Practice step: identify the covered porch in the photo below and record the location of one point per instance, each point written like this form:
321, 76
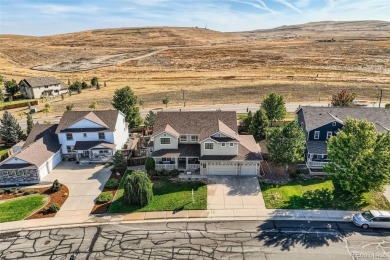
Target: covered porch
185, 158
316, 157
94, 151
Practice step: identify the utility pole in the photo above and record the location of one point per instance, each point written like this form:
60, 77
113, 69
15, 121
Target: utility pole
184, 100
380, 98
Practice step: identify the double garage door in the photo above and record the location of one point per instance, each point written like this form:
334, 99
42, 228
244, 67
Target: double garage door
232, 169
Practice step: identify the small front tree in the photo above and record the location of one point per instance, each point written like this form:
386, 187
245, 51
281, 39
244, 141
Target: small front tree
84, 85
30, 123
47, 108
138, 189
286, 144
11, 87
75, 87
120, 162
359, 157
259, 124
274, 107
150, 119
94, 81
126, 101
165, 101
343, 99
150, 164
10, 130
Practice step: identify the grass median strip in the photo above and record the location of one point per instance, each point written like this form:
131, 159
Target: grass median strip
168, 195
20, 208
318, 194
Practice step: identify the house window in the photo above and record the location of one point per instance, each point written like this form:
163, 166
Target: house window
85, 134
208, 146
166, 159
103, 151
317, 135
223, 144
101, 135
194, 138
69, 136
231, 144
183, 138
165, 140
69, 149
328, 134
334, 123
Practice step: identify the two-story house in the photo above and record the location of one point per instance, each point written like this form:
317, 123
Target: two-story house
38, 87
92, 135
203, 142
320, 123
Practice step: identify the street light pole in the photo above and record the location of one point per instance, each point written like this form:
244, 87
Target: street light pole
380, 98
184, 100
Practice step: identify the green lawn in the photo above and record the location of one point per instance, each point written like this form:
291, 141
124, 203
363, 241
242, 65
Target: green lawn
18, 209
318, 194
4, 150
167, 195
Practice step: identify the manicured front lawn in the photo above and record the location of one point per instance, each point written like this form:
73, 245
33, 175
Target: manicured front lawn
318, 194
18, 209
4, 150
168, 195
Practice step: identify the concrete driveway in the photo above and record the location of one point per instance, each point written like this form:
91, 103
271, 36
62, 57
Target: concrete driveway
234, 196
85, 183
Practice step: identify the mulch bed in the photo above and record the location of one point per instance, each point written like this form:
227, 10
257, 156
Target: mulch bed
58, 197
103, 208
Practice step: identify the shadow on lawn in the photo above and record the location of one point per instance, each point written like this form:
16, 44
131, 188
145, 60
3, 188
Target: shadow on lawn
326, 199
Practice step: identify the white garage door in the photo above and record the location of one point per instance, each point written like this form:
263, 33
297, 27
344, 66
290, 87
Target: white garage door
220, 169
249, 169
49, 165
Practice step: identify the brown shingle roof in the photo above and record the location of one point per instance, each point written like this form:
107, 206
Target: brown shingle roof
41, 81
41, 144
184, 150
108, 117
203, 123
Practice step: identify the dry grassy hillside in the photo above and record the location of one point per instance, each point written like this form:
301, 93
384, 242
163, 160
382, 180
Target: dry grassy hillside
212, 67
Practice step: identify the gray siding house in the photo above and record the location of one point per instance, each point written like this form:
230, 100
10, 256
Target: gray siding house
39, 87
320, 123
205, 143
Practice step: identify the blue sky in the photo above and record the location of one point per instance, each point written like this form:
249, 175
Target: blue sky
45, 17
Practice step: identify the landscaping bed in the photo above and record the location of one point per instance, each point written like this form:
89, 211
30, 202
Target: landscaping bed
168, 195
318, 194
101, 208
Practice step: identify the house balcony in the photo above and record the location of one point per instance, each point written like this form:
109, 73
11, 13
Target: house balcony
316, 164
166, 166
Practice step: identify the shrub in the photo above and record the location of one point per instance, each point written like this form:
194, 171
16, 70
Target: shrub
293, 175
111, 184
22, 190
2, 191
387, 105
13, 190
175, 173
29, 192
53, 208
56, 186
120, 162
300, 171
164, 172
138, 189
104, 197
150, 164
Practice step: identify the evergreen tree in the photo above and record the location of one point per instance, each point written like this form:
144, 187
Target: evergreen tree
30, 123
94, 81
120, 162
259, 124
150, 119
150, 164
138, 189
126, 101
10, 130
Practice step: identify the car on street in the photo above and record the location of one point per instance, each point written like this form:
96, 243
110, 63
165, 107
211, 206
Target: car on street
372, 219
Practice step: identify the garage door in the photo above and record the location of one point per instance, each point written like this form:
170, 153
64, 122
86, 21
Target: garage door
220, 169
249, 169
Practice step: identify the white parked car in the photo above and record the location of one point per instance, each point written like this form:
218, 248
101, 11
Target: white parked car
372, 219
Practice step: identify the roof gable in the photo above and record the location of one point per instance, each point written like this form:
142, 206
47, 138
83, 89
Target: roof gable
35, 82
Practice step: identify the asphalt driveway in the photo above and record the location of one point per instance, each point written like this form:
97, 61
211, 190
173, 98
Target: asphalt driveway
85, 183
236, 194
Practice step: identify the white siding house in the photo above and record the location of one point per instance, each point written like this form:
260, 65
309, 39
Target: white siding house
39, 87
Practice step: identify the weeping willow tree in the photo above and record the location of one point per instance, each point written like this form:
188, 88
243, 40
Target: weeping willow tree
138, 189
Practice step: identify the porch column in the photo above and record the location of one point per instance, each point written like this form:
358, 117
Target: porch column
176, 162
90, 154
186, 163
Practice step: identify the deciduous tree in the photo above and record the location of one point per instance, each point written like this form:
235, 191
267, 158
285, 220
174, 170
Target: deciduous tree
359, 157
126, 101
47, 108
138, 189
93, 105
259, 124
343, 99
286, 144
94, 81
10, 130
275, 107
11, 87
165, 101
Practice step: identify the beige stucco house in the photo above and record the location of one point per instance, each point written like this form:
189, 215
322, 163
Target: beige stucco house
39, 87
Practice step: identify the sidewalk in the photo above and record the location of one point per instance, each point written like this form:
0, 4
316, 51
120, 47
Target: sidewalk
185, 215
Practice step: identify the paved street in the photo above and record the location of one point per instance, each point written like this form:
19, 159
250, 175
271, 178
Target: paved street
269, 240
